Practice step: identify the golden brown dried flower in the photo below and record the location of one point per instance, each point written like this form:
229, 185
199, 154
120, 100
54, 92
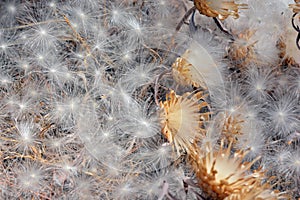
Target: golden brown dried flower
182, 122
184, 74
232, 127
219, 8
223, 174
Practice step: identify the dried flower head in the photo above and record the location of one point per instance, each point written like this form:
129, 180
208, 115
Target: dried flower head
184, 73
223, 175
232, 127
219, 8
242, 51
182, 122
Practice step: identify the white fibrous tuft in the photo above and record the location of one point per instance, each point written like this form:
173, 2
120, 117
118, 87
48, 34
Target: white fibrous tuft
286, 162
141, 75
259, 82
283, 113
8, 44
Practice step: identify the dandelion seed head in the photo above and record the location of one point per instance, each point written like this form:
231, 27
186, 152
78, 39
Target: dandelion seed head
4, 80
232, 110
22, 106
115, 13
75, 25
30, 179
25, 132
81, 15
79, 55
259, 87
11, 8
162, 2
110, 118
25, 66
53, 70
70, 168
127, 57
43, 32
40, 57
3, 46
56, 143
106, 134
52, 4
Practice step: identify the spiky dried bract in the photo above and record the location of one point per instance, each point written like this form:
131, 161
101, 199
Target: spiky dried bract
223, 175
219, 8
182, 123
232, 127
258, 192
182, 72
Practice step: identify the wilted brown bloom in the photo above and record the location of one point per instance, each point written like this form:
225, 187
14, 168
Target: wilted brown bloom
219, 8
223, 174
182, 122
184, 73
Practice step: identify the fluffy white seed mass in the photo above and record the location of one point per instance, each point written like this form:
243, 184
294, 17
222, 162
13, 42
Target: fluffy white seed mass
149, 99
